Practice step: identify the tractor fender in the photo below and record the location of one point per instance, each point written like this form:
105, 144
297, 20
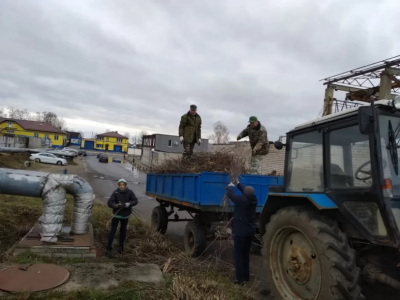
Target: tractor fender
276, 201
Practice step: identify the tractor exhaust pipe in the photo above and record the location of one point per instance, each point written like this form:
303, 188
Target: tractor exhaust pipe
52, 188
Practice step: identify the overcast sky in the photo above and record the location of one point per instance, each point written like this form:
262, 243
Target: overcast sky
131, 65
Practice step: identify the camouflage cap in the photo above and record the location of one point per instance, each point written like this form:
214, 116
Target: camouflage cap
253, 119
193, 107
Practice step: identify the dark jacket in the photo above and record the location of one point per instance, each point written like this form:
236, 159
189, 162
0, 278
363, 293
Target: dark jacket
125, 196
244, 213
190, 128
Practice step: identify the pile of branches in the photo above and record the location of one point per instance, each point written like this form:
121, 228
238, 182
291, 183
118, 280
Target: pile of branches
223, 161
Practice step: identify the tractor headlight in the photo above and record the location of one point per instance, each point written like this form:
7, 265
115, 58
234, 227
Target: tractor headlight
396, 103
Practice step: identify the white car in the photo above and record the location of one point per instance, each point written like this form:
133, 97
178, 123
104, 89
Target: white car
48, 158
69, 149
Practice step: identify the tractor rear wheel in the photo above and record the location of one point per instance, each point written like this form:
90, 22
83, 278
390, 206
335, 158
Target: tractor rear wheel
307, 256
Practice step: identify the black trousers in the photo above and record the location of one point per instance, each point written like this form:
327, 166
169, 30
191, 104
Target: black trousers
122, 232
242, 257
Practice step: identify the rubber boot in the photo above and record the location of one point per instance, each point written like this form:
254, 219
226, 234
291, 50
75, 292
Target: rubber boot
121, 250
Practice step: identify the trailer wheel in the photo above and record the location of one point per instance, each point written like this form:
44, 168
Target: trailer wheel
194, 238
307, 256
159, 219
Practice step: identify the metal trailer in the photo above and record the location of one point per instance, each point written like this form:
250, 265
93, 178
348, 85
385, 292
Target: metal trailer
201, 195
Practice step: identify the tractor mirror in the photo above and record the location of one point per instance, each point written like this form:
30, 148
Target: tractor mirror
366, 119
278, 145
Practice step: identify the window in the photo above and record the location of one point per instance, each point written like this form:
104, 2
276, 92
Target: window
36, 134
56, 137
119, 140
10, 124
305, 163
46, 136
350, 158
170, 143
107, 139
99, 145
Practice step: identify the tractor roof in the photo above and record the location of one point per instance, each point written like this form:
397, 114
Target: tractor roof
339, 115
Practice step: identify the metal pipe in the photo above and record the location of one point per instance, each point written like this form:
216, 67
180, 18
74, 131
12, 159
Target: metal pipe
52, 188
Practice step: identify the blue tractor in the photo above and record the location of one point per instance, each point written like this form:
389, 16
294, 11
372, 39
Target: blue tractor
335, 221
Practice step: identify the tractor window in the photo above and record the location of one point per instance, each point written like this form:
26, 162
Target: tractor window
305, 163
350, 158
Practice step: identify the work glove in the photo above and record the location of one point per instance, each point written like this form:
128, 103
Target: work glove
239, 137
199, 142
181, 139
127, 204
118, 205
231, 184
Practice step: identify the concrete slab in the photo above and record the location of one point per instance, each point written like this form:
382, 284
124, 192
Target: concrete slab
82, 245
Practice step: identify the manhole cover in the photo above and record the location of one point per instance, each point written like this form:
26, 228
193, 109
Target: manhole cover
37, 277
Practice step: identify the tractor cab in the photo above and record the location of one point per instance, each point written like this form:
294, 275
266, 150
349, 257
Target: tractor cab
337, 216
349, 161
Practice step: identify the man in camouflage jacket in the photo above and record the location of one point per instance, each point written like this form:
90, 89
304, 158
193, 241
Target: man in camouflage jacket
190, 130
257, 135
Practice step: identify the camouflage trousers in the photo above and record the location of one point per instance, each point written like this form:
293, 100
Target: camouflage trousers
255, 164
188, 149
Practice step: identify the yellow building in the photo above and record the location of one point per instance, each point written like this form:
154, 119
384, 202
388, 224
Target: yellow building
109, 141
55, 137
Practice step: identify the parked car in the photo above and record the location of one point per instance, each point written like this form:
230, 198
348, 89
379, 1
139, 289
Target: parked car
48, 158
59, 155
82, 152
103, 158
71, 150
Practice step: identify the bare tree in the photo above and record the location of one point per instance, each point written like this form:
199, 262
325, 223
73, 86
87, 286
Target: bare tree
140, 137
3, 112
133, 139
220, 135
81, 133
19, 114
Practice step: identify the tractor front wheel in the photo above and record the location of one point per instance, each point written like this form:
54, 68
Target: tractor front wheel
308, 257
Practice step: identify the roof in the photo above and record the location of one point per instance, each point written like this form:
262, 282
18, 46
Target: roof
113, 134
340, 115
34, 125
73, 134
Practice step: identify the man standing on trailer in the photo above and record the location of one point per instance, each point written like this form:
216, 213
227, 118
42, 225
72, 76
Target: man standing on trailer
190, 130
243, 228
258, 141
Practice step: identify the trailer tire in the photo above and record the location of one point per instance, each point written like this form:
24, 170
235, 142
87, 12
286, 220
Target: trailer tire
159, 219
194, 238
307, 256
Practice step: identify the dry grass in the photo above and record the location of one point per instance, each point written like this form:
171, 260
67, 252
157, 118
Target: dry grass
200, 162
186, 287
